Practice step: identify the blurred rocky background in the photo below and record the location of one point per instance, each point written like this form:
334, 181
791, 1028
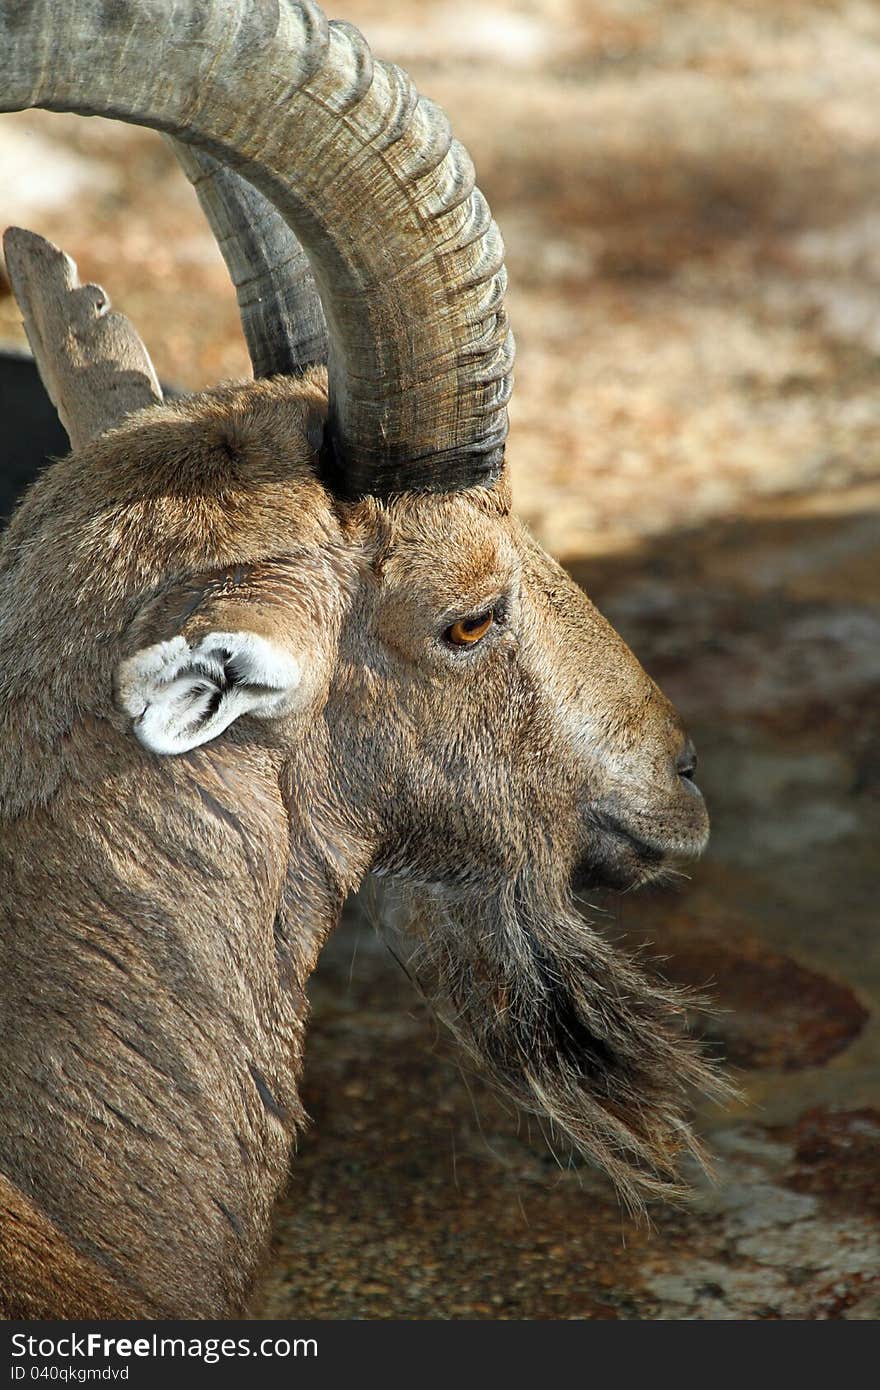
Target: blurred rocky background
690, 196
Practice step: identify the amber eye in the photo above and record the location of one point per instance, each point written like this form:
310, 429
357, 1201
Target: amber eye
467, 631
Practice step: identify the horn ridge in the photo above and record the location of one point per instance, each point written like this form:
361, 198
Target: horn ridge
91, 361
366, 175
278, 301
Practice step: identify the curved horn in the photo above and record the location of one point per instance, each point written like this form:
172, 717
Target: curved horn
278, 301
406, 257
94, 367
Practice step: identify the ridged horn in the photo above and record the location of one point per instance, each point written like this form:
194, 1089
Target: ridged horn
94, 367
278, 300
406, 257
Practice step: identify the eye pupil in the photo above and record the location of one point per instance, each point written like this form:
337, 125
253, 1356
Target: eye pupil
467, 631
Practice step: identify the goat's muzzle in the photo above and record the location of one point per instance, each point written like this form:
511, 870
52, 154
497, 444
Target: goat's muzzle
638, 833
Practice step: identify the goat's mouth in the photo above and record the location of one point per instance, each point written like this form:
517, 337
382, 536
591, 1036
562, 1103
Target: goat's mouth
617, 856
617, 859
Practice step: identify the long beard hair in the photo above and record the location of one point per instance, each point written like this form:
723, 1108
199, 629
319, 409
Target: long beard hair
566, 1026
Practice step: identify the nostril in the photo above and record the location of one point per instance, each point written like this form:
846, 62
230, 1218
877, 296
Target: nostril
686, 762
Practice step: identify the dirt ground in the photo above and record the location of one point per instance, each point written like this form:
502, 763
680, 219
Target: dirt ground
690, 196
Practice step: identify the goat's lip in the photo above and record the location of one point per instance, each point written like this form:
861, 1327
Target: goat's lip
616, 858
646, 849
619, 858
688, 843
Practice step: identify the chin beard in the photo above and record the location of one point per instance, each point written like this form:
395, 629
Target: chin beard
566, 1026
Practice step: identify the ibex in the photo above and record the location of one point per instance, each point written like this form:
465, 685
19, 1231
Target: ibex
261, 641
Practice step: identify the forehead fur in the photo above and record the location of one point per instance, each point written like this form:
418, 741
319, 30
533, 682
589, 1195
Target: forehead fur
227, 475
453, 547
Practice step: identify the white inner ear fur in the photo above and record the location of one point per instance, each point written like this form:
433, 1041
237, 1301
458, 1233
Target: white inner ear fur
181, 696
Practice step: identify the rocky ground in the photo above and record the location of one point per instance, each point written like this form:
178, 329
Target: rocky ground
690, 194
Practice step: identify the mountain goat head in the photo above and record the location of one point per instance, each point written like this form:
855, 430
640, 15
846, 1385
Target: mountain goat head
261, 641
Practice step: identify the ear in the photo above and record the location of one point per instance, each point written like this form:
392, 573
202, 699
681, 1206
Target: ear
181, 696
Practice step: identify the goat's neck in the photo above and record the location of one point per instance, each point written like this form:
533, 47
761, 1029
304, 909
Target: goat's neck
162, 918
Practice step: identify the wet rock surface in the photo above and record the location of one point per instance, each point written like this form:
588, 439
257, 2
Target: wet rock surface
767, 1010
689, 194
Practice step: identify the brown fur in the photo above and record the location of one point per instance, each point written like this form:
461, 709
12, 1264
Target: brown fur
159, 916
